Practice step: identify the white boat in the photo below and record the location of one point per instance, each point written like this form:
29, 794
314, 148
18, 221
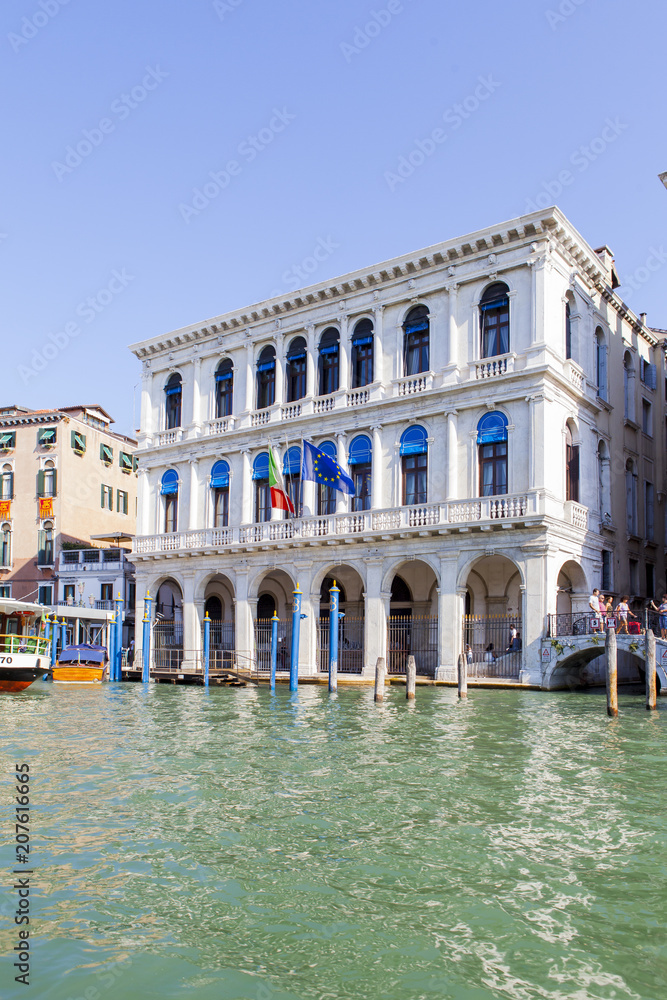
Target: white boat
24, 652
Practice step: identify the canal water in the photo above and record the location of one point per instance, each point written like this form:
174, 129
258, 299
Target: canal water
238, 844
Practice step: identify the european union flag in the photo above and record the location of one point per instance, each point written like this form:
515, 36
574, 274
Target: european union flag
322, 469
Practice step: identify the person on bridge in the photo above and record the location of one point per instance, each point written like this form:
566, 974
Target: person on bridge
623, 610
594, 605
662, 611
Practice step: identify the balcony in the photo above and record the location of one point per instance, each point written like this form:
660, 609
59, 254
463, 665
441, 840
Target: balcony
481, 513
221, 425
168, 437
576, 515
487, 368
87, 560
413, 384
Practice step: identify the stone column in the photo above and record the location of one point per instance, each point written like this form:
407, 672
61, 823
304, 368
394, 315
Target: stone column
249, 389
378, 341
310, 606
191, 637
312, 387
146, 421
536, 439
377, 498
451, 604
375, 615
342, 502
193, 512
452, 325
247, 513
452, 456
144, 526
344, 354
243, 618
195, 397
280, 369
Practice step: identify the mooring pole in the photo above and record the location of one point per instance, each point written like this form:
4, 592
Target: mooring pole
462, 667
296, 628
380, 671
118, 672
63, 634
274, 649
146, 648
207, 647
146, 639
410, 678
611, 673
333, 637
54, 640
651, 688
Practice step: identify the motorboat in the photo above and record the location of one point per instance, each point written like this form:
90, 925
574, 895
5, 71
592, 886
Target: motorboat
24, 649
82, 664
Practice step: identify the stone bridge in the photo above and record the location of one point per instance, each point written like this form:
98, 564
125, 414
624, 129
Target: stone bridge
578, 660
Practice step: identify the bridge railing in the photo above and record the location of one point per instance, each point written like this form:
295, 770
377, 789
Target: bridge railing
575, 623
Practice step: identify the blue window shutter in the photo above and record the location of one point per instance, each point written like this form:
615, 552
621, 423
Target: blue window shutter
220, 476
413, 441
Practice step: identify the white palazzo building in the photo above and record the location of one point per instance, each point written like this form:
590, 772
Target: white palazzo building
502, 413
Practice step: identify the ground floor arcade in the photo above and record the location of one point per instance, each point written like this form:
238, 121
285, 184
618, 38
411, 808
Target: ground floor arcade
486, 595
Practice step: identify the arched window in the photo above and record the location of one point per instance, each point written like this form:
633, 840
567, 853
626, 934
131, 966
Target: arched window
400, 592
326, 495
416, 341
360, 460
173, 392
260, 475
492, 450
414, 465
46, 480
169, 491
628, 386
568, 331
362, 354
571, 467
295, 370
213, 608
220, 490
266, 607
292, 475
45, 551
329, 361
601, 363
224, 388
7, 483
266, 378
494, 310
631, 497
6, 545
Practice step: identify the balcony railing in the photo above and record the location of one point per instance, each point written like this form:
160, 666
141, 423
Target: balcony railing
221, 425
503, 364
168, 437
420, 519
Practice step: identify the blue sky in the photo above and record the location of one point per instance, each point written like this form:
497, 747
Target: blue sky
302, 113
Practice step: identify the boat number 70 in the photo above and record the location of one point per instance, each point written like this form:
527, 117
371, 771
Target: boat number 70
6, 659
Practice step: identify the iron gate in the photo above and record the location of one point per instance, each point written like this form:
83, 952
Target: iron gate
408, 636
222, 642
489, 646
263, 644
350, 645
167, 644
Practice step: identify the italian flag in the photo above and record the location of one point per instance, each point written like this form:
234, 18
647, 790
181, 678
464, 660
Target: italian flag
279, 498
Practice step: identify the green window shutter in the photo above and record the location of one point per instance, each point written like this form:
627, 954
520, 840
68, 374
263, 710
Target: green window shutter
73, 439
40, 483
135, 463
41, 548
55, 482
102, 492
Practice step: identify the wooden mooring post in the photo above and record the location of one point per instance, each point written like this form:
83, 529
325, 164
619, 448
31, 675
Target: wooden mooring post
410, 678
611, 673
380, 671
463, 676
651, 687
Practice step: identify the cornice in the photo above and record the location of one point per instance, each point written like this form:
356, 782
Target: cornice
30, 418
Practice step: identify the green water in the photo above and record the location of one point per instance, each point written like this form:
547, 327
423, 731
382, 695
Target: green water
235, 844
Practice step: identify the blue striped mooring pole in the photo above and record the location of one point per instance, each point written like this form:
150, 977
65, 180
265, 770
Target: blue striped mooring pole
53, 631
274, 649
296, 628
63, 634
207, 646
118, 674
146, 640
333, 637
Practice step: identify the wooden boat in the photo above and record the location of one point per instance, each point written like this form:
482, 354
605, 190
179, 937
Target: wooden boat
24, 653
83, 664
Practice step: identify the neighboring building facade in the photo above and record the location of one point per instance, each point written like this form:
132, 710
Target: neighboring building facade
64, 476
502, 413
89, 580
